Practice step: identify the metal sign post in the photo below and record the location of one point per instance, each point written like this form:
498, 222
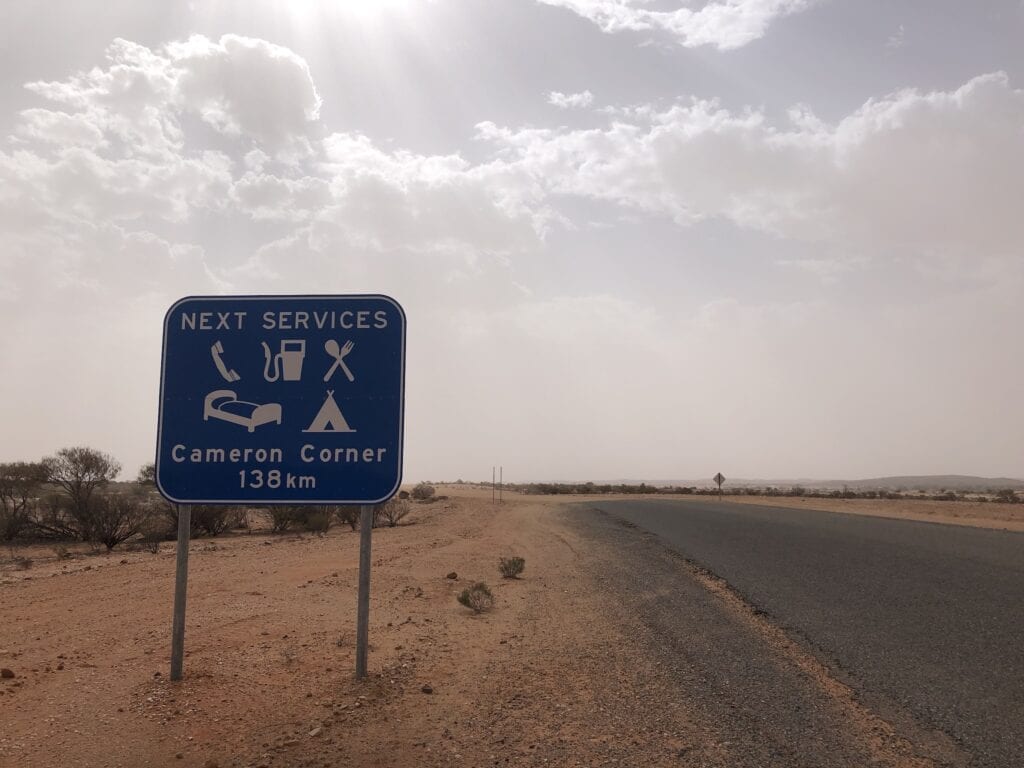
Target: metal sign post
719, 478
180, 591
281, 400
363, 603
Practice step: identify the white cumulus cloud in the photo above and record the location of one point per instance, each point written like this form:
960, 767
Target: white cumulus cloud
724, 24
570, 100
924, 172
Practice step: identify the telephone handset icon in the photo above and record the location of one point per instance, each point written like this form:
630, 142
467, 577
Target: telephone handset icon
228, 373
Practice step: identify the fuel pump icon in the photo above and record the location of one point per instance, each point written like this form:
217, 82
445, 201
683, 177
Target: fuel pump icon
286, 364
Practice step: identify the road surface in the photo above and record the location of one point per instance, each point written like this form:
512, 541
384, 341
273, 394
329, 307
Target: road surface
921, 619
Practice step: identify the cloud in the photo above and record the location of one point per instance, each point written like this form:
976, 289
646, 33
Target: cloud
244, 86
570, 100
724, 24
897, 39
924, 173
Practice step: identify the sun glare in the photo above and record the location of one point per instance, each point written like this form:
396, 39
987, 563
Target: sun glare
357, 9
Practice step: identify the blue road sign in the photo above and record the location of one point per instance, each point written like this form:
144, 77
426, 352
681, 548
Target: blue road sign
281, 400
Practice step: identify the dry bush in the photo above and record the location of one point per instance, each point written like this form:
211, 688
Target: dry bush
391, 512
115, 518
19, 486
318, 519
349, 516
282, 519
477, 597
215, 519
423, 491
511, 567
22, 563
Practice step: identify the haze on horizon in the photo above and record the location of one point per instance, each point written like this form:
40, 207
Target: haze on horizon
776, 238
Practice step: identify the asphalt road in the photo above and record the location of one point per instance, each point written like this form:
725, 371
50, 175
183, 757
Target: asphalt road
923, 619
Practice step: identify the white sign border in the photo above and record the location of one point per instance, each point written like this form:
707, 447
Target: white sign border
282, 502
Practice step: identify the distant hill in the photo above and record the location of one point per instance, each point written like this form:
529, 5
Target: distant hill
898, 482
931, 483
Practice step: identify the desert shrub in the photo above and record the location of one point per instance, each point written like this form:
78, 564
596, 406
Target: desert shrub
391, 512
1006, 496
22, 563
511, 567
283, 519
423, 491
115, 518
61, 552
348, 516
317, 519
154, 530
477, 597
214, 519
19, 485
403, 494
52, 519
351, 516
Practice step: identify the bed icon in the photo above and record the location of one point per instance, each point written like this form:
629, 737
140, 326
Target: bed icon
224, 404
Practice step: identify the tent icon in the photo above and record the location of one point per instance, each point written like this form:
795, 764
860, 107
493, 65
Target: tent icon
329, 418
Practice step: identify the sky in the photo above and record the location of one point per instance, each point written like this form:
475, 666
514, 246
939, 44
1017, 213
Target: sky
633, 239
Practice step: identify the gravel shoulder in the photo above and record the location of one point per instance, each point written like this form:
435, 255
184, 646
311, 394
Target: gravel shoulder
609, 651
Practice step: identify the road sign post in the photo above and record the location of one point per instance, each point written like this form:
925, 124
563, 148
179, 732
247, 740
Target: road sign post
363, 600
719, 478
180, 591
281, 400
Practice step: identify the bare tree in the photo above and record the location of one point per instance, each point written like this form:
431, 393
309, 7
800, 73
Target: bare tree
80, 471
19, 485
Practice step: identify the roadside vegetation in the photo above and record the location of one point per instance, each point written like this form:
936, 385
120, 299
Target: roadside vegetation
478, 597
74, 496
996, 495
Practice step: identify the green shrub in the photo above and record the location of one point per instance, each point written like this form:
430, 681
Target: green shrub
477, 597
511, 567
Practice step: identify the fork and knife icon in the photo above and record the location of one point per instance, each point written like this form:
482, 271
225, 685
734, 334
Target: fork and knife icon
332, 349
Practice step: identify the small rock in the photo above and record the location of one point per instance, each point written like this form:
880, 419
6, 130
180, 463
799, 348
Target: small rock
6, 673
124, 562
61, 665
315, 731
453, 576
179, 756
157, 674
427, 689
